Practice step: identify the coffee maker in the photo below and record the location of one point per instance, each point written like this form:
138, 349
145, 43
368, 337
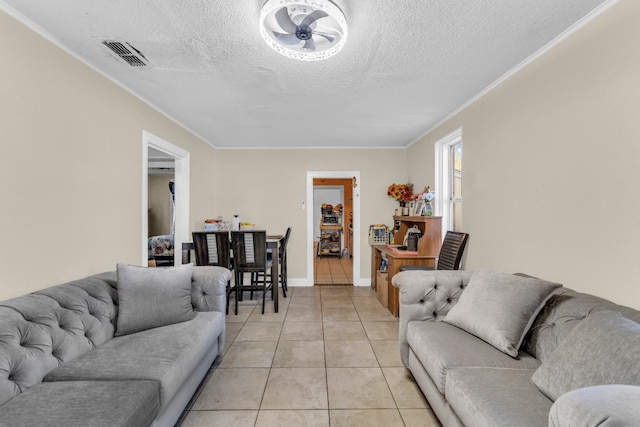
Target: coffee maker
411, 238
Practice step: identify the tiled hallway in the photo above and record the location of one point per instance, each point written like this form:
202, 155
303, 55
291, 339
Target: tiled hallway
328, 358
333, 271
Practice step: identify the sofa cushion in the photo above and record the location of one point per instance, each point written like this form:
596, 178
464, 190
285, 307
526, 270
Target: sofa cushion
152, 297
493, 397
441, 347
84, 403
604, 348
564, 310
499, 307
603, 406
166, 354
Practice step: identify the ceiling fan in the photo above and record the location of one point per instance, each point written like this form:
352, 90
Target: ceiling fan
305, 30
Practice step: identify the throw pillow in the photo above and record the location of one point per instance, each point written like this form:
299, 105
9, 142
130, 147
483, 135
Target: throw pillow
499, 308
149, 297
604, 348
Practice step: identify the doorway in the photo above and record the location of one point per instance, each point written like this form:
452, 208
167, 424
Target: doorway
333, 220
350, 239
161, 179
180, 159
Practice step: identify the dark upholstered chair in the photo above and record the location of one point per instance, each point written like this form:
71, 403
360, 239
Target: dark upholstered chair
450, 253
250, 256
214, 248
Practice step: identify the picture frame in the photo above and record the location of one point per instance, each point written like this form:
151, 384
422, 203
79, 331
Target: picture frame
418, 209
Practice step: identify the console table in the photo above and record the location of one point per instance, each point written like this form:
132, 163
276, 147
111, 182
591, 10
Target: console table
428, 250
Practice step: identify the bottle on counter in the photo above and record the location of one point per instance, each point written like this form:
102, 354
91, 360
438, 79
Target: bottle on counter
235, 223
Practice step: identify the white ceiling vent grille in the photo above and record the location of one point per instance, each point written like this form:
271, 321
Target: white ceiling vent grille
126, 52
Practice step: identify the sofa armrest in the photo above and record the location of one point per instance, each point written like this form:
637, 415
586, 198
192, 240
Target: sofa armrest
208, 288
603, 405
426, 295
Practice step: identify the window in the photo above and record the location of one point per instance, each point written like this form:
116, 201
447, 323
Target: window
449, 181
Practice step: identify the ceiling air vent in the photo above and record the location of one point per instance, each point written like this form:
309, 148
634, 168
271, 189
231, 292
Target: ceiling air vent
127, 53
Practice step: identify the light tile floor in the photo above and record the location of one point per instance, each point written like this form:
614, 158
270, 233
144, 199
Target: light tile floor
333, 271
328, 358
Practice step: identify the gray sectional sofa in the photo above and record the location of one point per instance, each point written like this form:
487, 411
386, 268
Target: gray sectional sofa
115, 349
494, 349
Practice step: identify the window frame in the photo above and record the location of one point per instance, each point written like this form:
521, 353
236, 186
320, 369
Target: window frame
444, 178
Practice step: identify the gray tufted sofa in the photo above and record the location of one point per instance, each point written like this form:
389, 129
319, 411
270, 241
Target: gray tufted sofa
61, 365
468, 382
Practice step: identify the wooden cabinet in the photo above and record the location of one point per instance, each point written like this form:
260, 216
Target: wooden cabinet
430, 226
428, 250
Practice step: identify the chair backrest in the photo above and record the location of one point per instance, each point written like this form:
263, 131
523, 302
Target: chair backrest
212, 248
451, 250
284, 241
249, 249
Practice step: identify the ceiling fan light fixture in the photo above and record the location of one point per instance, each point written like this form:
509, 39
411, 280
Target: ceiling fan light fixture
307, 30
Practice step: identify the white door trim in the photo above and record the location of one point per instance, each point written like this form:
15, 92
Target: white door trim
181, 179
357, 280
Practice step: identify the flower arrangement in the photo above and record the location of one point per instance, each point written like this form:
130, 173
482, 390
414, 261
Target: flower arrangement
400, 192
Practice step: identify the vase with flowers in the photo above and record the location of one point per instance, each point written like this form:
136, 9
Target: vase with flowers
402, 193
428, 196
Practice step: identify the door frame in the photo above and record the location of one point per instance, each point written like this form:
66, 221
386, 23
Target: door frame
355, 175
181, 179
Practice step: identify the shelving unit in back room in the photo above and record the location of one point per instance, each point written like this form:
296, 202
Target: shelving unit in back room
330, 231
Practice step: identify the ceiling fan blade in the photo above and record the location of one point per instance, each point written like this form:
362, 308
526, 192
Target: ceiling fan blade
330, 37
313, 17
288, 39
309, 45
285, 22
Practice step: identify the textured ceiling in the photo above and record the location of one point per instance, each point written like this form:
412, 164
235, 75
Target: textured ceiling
406, 65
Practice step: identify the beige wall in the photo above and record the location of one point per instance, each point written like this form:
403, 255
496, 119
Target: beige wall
552, 163
159, 204
267, 187
71, 165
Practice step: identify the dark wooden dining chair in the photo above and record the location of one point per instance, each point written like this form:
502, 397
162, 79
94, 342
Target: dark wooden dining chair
187, 247
214, 248
250, 256
450, 253
282, 262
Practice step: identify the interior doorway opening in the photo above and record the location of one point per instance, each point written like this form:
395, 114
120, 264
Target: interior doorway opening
180, 214
333, 219
340, 253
